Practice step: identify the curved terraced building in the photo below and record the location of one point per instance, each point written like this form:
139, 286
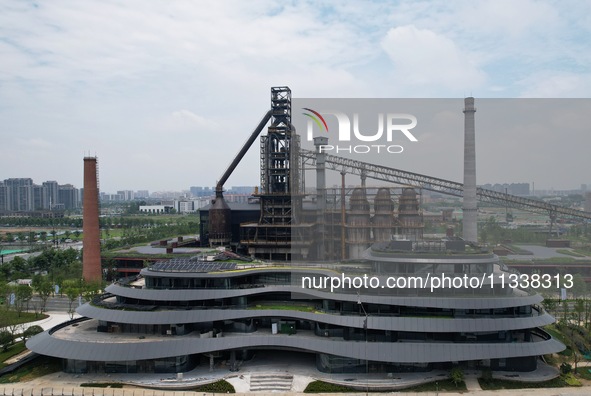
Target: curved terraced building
180, 313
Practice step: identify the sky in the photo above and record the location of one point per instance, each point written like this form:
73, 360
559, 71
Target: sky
166, 92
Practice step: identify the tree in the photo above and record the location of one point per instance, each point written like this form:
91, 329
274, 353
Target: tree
565, 308
14, 328
72, 291
91, 289
19, 265
31, 331
579, 288
53, 234
23, 295
21, 236
456, 376
31, 237
5, 339
44, 288
579, 309
550, 305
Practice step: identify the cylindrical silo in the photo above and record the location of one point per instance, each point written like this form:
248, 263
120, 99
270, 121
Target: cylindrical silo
383, 220
410, 221
358, 224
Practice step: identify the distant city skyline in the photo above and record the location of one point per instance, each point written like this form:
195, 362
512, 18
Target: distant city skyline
518, 189
165, 93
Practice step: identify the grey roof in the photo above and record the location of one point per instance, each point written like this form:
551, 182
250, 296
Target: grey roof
404, 352
468, 302
437, 325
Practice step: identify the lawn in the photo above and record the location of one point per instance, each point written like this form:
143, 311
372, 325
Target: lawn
560, 382
445, 385
37, 368
14, 350
569, 253
12, 317
326, 387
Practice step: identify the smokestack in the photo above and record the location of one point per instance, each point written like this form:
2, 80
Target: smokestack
470, 213
320, 141
91, 257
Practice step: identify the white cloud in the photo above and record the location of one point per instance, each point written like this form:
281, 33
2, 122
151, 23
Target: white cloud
556, 84
187, 120
113, 77
423, 58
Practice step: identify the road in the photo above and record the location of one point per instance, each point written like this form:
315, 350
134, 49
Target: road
73, 245
54, 304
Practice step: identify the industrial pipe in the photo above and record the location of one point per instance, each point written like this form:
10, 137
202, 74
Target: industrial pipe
219, 188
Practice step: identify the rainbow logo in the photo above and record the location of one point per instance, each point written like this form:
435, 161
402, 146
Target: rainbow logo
317, 118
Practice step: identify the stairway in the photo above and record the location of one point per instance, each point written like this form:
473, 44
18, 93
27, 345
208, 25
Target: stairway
270, 382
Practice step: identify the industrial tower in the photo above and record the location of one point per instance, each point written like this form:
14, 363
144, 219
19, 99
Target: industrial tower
91, 252
281, 193
469, 208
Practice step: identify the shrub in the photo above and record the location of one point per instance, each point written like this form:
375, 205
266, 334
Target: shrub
5, 339
456, 375
487, 374
217, 387
566, 368
31, 331
326, 387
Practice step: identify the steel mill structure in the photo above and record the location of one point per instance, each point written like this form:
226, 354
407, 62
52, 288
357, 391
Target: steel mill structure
183, 312
289, 227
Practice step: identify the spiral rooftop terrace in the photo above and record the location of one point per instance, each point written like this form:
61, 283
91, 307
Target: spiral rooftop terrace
176, 315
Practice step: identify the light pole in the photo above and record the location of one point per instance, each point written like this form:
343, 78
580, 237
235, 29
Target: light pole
365, 328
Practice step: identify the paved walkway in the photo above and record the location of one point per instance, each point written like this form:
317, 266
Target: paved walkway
471, 380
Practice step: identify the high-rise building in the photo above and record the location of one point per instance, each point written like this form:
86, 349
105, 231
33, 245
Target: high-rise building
50, 194
197, 191
19, 193
38, 203
4, 197
127, 195
142, 194
68, 196
587, 202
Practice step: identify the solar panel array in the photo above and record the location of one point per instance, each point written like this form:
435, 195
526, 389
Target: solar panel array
188, 265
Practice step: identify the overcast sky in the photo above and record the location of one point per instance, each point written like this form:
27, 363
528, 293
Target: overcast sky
166, 92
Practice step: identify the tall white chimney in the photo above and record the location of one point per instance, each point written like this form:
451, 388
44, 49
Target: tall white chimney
470, 210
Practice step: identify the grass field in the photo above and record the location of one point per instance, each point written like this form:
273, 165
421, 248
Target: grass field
560, 382
12, 317
37, 368
14, 350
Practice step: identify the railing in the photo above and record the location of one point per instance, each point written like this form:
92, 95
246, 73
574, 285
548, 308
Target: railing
66, 324
286, 306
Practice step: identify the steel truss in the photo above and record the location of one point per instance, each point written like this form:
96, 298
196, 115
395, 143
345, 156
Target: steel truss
397, 176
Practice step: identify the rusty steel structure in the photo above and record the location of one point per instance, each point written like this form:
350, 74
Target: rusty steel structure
286, 231
220, 215
281, 190
402, 177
